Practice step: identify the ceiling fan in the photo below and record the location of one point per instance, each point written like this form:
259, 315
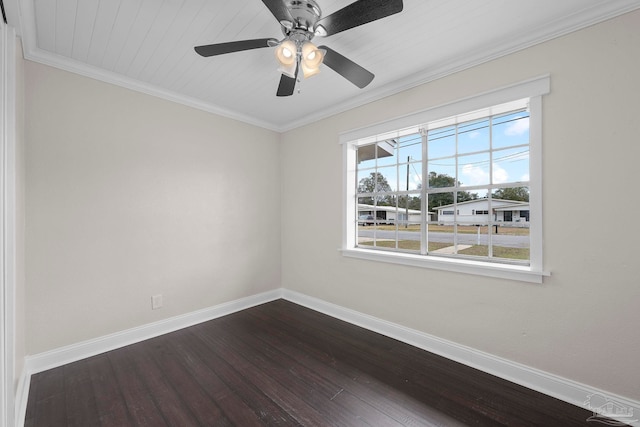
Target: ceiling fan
301, 21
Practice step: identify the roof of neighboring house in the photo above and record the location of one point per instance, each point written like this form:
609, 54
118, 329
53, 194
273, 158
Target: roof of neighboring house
503, 202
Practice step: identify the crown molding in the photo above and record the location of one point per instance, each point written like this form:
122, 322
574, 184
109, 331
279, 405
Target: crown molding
554, 29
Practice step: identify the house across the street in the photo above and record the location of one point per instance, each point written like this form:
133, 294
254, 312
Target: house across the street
386, 214
478, 211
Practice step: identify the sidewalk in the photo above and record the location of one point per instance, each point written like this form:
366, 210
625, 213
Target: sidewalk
450, 249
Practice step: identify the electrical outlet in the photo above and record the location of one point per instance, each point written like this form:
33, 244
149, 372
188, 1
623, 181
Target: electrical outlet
156, 302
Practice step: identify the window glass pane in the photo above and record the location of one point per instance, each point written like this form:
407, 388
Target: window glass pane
402, 225
465, 196
410, 176
441, 142
511, 194
510, 233
510, 165
473, 239
474, 169
366, 156
387, 152
473, 136
442, 173
466, 210
441, 204
366, 181
365, 222
409, 210
411, 147
441, 239
510, 129
409, 236
387, 179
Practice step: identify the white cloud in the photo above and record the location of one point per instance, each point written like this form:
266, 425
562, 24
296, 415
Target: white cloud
499, 175
474, 175
517, 127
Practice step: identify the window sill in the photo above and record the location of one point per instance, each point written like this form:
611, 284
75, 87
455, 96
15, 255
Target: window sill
503, 271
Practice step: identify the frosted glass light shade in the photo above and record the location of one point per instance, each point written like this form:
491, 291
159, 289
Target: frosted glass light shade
286, 54
311, 59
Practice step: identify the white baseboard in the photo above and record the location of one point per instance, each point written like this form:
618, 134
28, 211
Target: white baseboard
561, 388
22, 395
535, 379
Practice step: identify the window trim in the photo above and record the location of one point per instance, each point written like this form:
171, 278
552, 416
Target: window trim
533, 90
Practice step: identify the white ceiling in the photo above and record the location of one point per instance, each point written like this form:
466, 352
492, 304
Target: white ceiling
147, 45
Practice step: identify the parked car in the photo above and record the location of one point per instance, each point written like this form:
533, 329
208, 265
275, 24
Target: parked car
366, 220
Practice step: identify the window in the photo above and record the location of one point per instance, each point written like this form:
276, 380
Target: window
457, 187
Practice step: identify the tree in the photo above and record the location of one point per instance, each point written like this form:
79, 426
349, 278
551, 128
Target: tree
520, 194
375, 183
443, 180
413, 202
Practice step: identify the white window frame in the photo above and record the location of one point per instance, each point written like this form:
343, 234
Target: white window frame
533, 90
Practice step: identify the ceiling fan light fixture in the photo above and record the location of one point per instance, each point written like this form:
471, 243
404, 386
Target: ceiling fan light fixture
309, 71
288, 70
286, 54
311, 59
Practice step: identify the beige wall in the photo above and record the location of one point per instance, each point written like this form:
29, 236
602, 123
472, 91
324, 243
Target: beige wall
129, 196
582, 323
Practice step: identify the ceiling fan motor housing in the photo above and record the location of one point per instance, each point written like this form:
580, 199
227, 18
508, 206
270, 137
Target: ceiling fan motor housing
305, 14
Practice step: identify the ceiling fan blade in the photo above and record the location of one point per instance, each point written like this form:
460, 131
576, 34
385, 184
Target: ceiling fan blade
357, 13
279, 10
347, 68
287, 85
222, 48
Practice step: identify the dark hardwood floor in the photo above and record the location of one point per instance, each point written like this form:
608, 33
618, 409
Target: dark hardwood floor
282, 364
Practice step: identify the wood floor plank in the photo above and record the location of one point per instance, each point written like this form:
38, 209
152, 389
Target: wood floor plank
170, 404
81, 405
280, 364
199, 403
110, 403
197, 363
140, 404
47, 400
240, 399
